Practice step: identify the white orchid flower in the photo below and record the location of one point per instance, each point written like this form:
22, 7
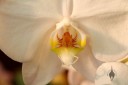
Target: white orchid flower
112, 73
77, 31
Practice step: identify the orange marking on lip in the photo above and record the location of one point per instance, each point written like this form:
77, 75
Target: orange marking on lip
67, 40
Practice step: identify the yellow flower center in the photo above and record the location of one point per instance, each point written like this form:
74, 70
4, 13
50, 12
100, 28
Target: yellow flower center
67, 41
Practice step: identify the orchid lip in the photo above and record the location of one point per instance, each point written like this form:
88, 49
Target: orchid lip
67, 57
67, 41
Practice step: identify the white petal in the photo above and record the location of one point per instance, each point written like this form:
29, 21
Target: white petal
19, 37
107, 33
43, 67
87, 64
85, 8
112, 73
86, 82
74, 78
32, 8
67, 7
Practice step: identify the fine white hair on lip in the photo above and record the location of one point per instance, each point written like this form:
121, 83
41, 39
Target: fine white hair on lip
68, 58
112, 73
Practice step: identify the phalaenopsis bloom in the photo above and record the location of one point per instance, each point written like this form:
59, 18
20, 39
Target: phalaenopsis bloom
46, 34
